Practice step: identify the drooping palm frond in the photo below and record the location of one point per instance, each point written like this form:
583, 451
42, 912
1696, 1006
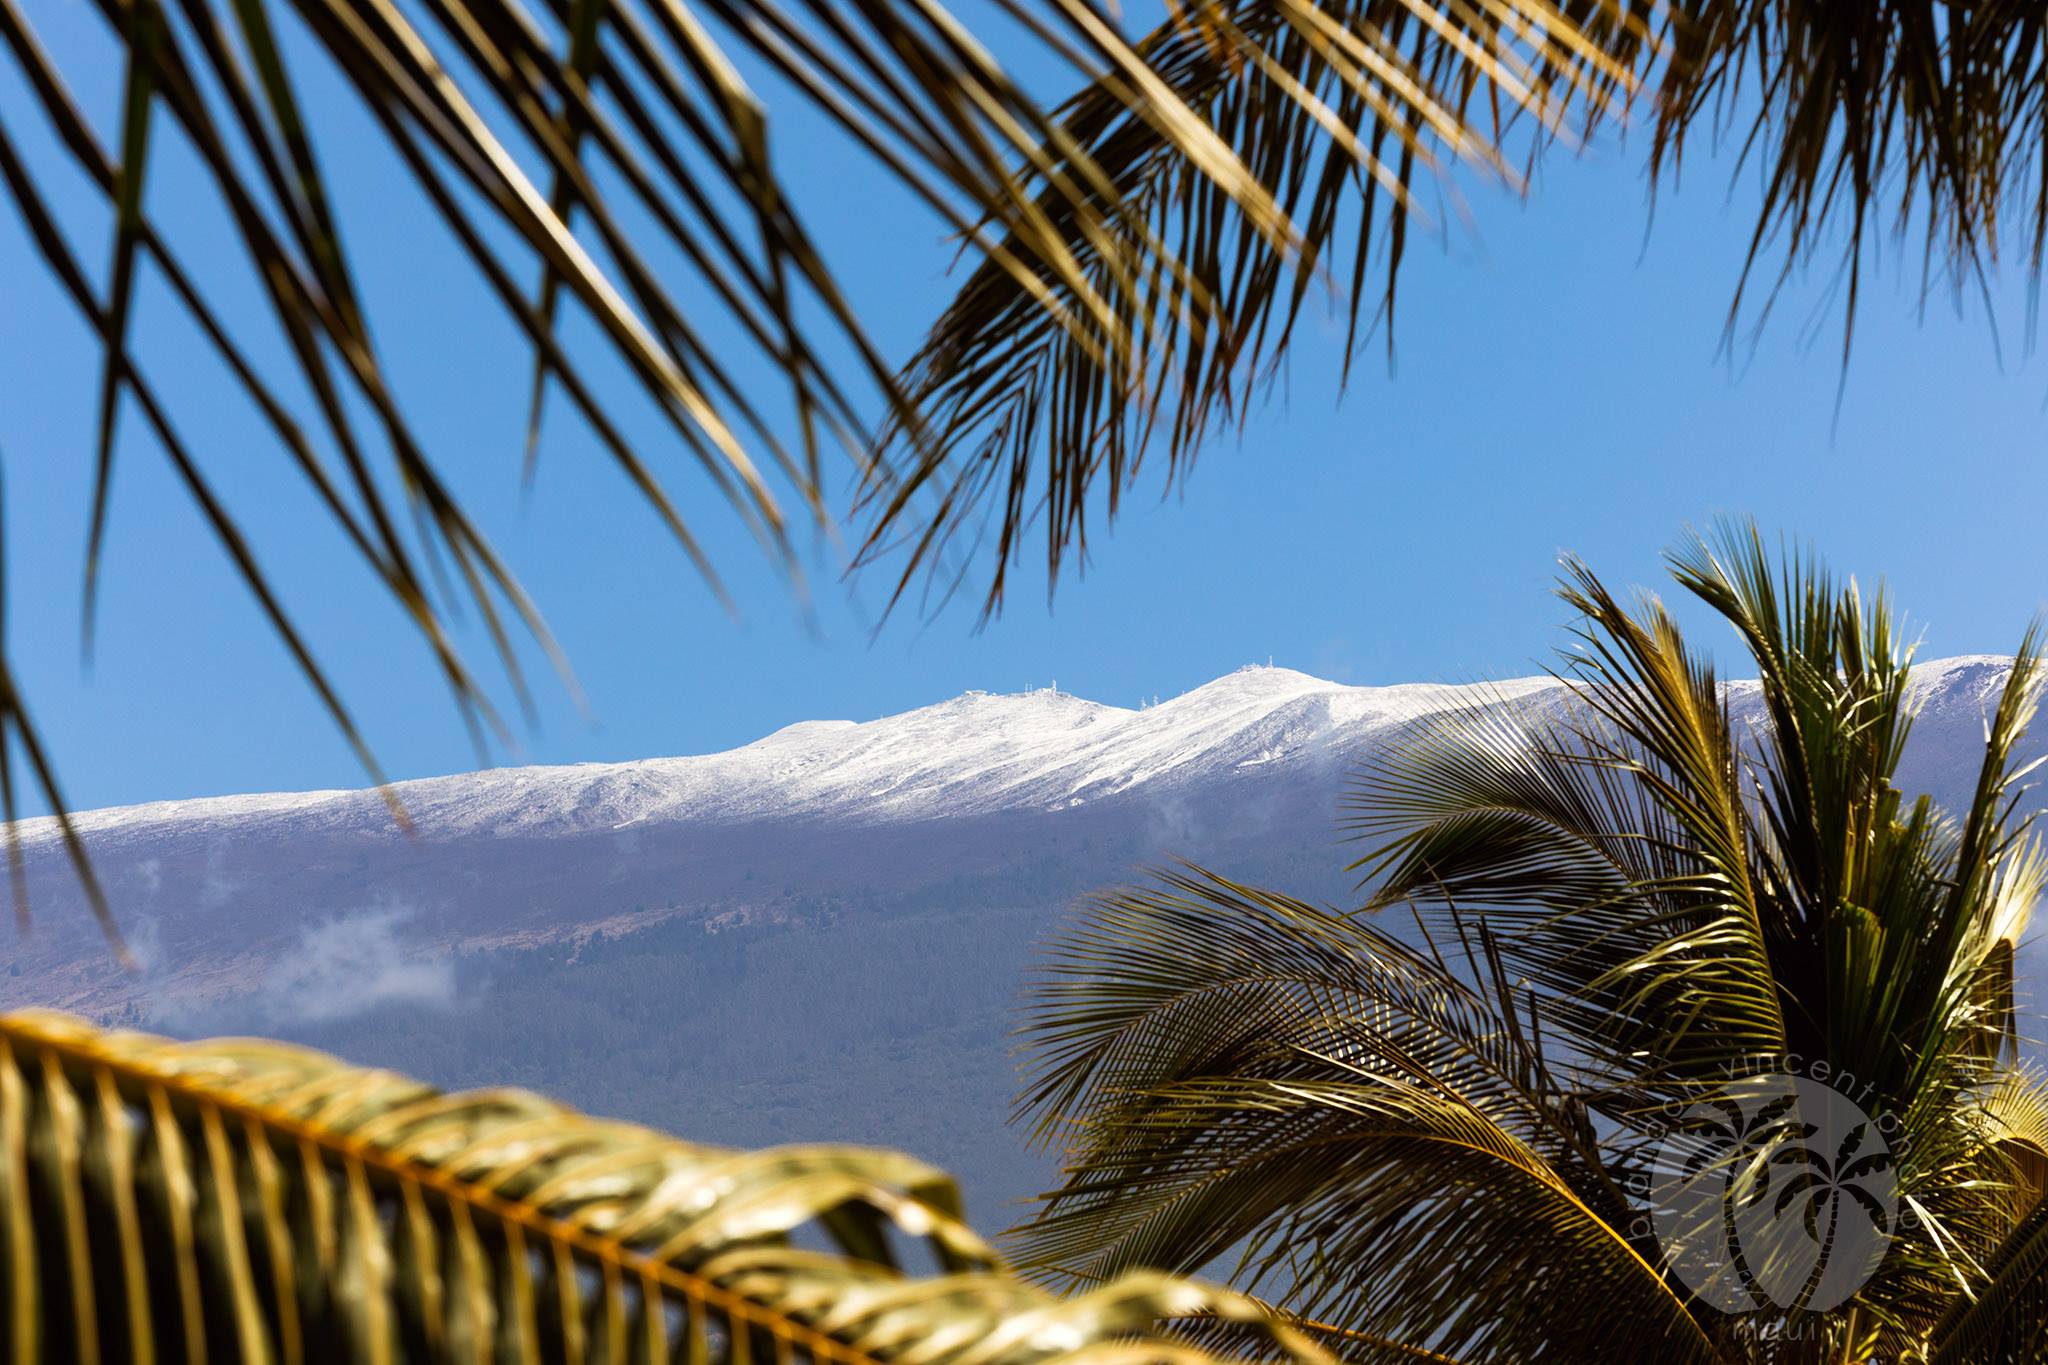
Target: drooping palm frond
244, 1200
1862, 122
1347, 111
2004, 1321
1629, 903
17, 727
1911, 119
604, 153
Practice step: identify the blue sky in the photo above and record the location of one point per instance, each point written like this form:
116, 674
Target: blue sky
1560, 385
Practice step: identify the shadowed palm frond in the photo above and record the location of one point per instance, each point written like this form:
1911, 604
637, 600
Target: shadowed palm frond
237, 1199
2005, 1321
1224, 1068
1239, 1339
1890, 119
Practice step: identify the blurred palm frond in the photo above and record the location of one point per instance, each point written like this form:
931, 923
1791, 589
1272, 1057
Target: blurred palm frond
247, 1200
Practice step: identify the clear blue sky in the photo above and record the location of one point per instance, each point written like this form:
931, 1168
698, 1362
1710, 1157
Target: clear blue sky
1559, 386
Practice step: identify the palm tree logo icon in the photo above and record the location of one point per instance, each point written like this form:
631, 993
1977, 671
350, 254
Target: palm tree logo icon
1778, 1194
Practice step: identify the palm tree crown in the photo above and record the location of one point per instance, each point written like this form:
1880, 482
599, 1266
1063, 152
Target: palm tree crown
1695, 1042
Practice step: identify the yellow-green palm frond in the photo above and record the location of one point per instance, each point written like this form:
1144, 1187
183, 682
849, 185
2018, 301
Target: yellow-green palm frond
1225, 1070
244, 1200
1633, 903
2018, 1107
1648, 862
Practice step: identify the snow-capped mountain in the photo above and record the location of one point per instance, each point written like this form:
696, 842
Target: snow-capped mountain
817, 935
978, 754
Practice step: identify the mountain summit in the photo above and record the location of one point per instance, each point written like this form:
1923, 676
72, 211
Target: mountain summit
976, 754
980, 753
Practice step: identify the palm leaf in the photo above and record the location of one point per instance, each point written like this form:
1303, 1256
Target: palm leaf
247, 1200
1223, 1067
1859, 122
1342, 110
591, 140
1898, 119
2005, 1321
1628, 903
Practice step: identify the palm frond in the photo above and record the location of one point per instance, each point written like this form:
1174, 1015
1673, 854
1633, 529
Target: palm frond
247, 1200
600, 154
1345, 111
1604, 844
2004, 1321
1862, 122
18, 728
1632, 905
1241, 1340
1893, 121
1646, 862
1224, 1067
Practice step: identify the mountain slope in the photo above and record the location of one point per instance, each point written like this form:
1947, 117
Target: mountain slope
820, 934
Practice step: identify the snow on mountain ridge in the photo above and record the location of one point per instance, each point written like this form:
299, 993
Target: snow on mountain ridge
976, 753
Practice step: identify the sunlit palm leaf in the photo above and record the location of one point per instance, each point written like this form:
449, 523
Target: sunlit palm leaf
651, 148
247, 1200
